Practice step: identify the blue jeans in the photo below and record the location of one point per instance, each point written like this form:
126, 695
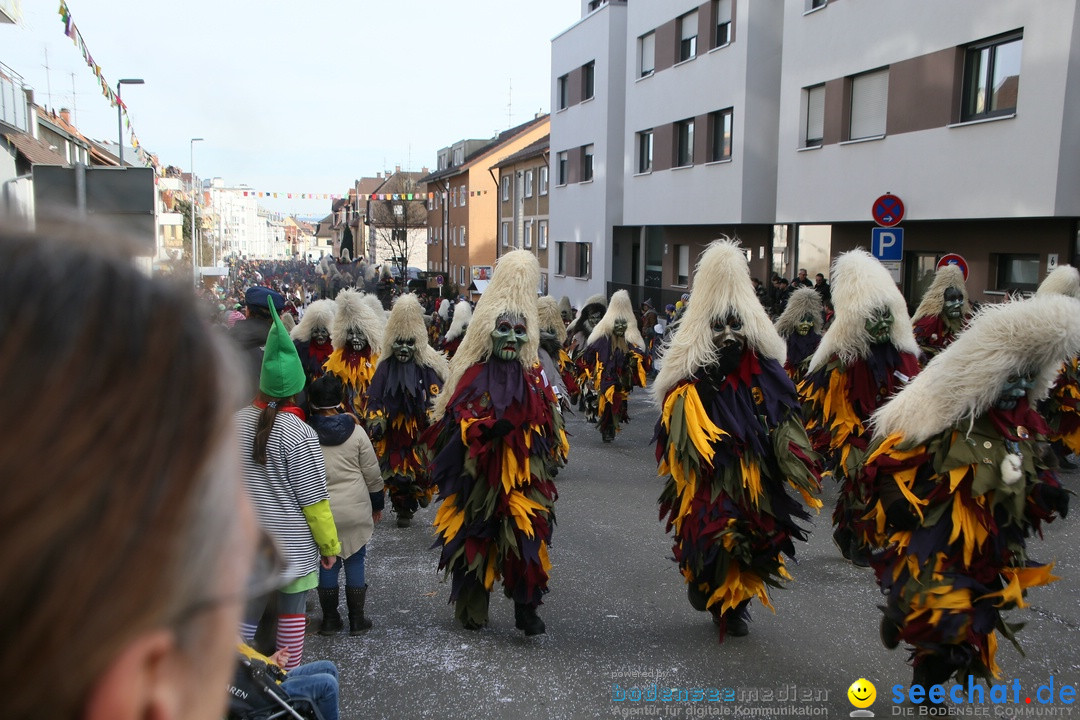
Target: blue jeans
319, 682
354, 571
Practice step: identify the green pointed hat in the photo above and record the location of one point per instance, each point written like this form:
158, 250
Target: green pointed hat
282, 374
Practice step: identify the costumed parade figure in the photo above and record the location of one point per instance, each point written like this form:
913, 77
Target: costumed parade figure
498, 442
864, 358
957, 481
459, 323
942, 313
553, 357
615, 361
440, 320
312, 338
730, 437
800, 326
578, 338
1061, 409
356, 334
408, 378
566, 312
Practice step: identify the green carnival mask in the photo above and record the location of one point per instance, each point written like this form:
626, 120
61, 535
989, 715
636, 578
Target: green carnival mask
879, 325
806, 324
404, 349
508, 336
1016, 386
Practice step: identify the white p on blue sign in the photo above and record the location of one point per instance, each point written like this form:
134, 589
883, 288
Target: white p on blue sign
887, 243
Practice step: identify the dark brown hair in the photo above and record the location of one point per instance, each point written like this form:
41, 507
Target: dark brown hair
114, 409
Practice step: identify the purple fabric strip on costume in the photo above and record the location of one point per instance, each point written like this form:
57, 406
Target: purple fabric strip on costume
800, 347
503, 380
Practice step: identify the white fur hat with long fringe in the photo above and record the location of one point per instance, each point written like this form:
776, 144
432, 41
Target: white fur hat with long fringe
721, 287
804, 301
376, 305
861, 285
577, 324
963, 381
462, 316
1064, 280
512, 291
620, 308
406, 321
318, 314
548, 310
933, 300
352, 311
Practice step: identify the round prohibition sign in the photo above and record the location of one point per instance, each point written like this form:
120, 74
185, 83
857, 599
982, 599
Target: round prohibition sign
888, 210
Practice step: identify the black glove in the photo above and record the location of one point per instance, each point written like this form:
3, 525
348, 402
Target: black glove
501, 428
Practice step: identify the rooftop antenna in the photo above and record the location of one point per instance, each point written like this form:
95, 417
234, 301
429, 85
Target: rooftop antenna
74, 103
48, 83
510, 103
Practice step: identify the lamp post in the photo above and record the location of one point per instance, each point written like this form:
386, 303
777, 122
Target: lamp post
120, 111
194, 235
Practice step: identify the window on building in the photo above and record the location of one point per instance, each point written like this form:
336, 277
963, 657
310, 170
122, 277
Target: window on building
562, 92
453, 197
684, 150
462, 236
463, 194
722, 13
720, 135
560, 258
646, 54
544, 180
682, 269
644, 151
528, 183
528, 234
561, 168
586, 163
992, 77
584, 253
504, 234
506, 187
815, 4
1017, 272
814, 130
869, 101
588, 80
688, 28
542, 235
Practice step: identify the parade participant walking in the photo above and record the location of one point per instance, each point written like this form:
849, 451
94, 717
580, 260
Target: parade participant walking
577, 335
498, 442
440, 321
407, 380
356, 335
122, 514
286, 478
566, 312
1062, 408
800, 327
459, 323
942, 313
615, 361
312, 338
355, 486
729, 438
956, 482
865, 357
553, 357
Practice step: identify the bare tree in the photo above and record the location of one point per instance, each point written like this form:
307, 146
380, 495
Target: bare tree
398, 223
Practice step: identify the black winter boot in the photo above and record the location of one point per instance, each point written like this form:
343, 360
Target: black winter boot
354, 598
525, 618
736, 620
331, 618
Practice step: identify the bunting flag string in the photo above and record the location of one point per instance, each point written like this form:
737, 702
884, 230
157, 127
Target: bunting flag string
71, 31
392, 197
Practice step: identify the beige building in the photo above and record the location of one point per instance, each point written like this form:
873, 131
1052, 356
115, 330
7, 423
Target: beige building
524, 182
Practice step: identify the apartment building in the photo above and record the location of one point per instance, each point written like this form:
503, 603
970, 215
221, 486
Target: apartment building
524, 189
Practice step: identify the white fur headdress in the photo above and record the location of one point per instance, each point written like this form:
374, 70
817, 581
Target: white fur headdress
1064, 280
564, 306
963, 381
407, 321
353, 311
318, 313
550, 319
462, 317
933, 300
444, 308
512, 291
721, 286
861, 285
804, 301
577, 324
620, 308
375, 304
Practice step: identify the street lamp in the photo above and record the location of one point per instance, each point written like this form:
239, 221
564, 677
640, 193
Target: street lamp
194, 241
120, 111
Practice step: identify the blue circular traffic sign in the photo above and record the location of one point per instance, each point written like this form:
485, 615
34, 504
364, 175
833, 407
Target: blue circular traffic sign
888, 210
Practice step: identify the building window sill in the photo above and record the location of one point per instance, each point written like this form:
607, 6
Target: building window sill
563, 109
719, 47
587, 100
683, 167
722, 161
811, 11
646, 76
690, 59
982, 121
585, 182
804, 148
642, 174
857, 141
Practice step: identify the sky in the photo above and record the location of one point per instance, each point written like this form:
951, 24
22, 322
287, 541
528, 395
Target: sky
295, 97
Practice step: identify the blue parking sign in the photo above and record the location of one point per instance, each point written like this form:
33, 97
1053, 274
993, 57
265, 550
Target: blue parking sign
887, 243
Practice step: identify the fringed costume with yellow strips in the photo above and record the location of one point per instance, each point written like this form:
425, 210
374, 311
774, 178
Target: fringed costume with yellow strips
496, 452
355, 370
398, 404
1062, 408
730, 445
934, 333
837, 403
614, 368
953, 514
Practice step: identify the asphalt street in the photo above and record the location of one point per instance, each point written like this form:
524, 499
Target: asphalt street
618, 621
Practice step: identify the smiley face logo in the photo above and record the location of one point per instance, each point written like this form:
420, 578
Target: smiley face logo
862, 693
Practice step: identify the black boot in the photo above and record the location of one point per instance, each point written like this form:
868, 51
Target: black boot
331, 618
842, 539
354, 598
525, 618
404, 519
859, 554
736, 620
931, 670
697, 597
890, 632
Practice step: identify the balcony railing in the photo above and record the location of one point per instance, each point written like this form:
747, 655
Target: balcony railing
14, 110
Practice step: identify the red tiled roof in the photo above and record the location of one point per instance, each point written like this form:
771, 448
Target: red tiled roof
37, 152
